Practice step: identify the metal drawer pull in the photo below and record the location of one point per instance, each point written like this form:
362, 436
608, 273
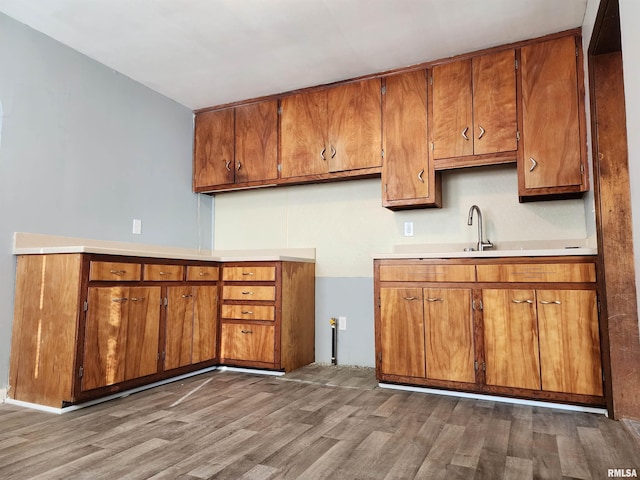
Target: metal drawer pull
554, 302
247, 293
534, 164
246, 331
333, 151
202, 274
247, 273
119, 300
187, 296
137, 299
118, 272
410, 298
522, 301
248, 312
420, 173
165, 273
482, 131
227, 165
322, 153
464, 133
434, 299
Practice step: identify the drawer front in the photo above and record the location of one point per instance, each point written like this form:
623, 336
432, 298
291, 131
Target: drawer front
249, 312
163, 273
427, 273
246, 341
249, 274
538, 272
202, 274
114, 271
248, 292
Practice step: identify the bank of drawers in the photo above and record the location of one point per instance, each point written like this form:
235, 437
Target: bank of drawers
102, 271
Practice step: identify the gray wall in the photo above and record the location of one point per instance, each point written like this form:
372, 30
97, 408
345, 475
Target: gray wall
83, 151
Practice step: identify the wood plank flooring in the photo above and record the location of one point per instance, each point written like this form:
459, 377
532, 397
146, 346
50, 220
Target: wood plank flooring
316, 423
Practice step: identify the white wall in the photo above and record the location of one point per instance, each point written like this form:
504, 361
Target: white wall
85, 150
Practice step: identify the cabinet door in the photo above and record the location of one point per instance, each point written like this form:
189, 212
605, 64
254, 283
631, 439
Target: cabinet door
405, 172
452, 122
449, 334
179, 327
256, 137
569, 341
511, 338
355, 126
248, 341
402, 332
205, 323
303, 126
494, 103
550, 115
213, 156
105, 337
143, 332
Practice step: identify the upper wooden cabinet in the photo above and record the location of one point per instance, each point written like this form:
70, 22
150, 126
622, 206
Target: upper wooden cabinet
473, 110
236, 146
408, 177
333, 130
553, 153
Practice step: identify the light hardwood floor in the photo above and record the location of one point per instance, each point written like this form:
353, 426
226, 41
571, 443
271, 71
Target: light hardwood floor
318, 422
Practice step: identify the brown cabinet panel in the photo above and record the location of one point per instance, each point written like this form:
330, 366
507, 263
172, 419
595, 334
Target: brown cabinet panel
552, 141
179, 327
214, 154
256, 154
248, 312
511, 338
569, 341
163, 273
114, 271
249, 273
248, 293
402, 332
448, 329
143, 332
248, 342
205, 326
537, 272
427, 273
202, 274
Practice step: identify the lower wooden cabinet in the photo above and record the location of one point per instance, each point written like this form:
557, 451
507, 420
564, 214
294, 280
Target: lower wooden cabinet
519, 327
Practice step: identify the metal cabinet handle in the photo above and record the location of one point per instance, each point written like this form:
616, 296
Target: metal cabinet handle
119, 300
464, 133
420, 173
187, 296
482, 131
554, 302
247, 293
202, 274
247, 273
410, 298
322, 153
137, 299
117, 272
522, 301
165, 273
247, 312
534, 164
333, 151
434, 299
227, 165
246, 331
238, 166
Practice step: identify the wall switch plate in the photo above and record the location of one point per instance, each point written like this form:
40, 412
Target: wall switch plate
137, 226
408, 229
342, 323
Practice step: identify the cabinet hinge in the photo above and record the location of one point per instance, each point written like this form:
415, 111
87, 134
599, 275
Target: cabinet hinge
379, 357
166, 301
484, 367
431, 80
85, 307
379, 301
516, 63
577, 51
385, 191
382, 153
280, 110
475, 365
80, 372
517, 135
599, 308
582, 169
433, 147
164, 355
279, 167
383, 89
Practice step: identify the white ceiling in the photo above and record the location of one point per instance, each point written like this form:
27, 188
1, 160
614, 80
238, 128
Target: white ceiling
210, 52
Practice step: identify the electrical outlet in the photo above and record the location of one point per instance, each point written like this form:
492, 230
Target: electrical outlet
342, 323
137, 226
408, 229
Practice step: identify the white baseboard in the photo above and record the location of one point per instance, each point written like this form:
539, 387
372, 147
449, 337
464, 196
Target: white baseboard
3, 394
493, 398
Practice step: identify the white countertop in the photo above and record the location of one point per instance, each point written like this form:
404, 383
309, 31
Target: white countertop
31, 243
535, 248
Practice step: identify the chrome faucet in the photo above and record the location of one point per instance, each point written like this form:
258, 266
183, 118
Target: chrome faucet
482, 245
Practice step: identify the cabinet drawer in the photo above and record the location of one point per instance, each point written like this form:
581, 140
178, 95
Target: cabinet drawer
249, 274
163, 273
114, 271
246, 341
538, 272
248, 292
202, 274
427, 273
248, 312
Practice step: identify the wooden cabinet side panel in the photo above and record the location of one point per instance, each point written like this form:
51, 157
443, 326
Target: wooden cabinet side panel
569, 341
43, 342
551, 125
511, 338
256, 142
247, 341
405, 171
213, 156
179, 327
297, 331
402, 345
449, 343
303, 127
143, 332
105, 342
205, 323
355, 125
452, 110
494, 103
